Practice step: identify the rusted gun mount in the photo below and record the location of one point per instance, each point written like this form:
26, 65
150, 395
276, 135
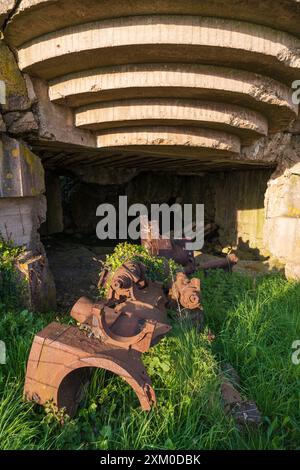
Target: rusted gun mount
225, 263
118, 327
112, 335
166, 248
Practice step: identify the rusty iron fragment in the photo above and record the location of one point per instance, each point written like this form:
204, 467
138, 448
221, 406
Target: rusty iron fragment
224, 263
60, 364
244, 412
185, 294
122, 284
125, 326
186, 291
167, 248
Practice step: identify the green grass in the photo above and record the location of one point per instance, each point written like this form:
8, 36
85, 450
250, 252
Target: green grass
255, 323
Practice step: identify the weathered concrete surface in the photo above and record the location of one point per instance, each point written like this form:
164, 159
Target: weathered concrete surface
2, 124
16, 90
206, 83
190, 141
282, 150
54, 222
167, 112
282, 15
21, 123
21, 172
282, 226
56, 123
163, 39
6, 8
20, 219
95, 52
239, 209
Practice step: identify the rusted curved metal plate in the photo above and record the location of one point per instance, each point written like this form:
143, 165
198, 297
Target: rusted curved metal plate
60, 361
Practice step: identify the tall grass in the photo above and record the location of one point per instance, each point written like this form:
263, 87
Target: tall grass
255, 323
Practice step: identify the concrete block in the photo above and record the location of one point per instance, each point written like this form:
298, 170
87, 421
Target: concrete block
20, 219
21, 171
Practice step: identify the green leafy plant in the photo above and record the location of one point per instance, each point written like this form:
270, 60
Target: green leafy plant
11, 285
158, 269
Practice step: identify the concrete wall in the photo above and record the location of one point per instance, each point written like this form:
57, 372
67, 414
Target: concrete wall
22, 203
239, 208
282, 226
22, 211
20, 219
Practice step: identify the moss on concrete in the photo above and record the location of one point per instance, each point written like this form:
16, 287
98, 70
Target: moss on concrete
10, 73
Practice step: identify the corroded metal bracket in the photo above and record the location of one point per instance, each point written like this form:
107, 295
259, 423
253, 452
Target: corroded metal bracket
186, 291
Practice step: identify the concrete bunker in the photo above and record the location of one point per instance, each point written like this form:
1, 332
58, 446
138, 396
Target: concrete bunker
158, 101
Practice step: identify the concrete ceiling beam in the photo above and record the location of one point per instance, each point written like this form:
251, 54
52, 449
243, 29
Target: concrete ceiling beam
189, 81
51, 15
248, 124
186, 142
163, 39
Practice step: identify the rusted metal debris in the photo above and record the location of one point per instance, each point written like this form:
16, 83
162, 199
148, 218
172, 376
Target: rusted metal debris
244, 412
62, 358
113, 334
224, 263
128, 278
175, 248
186, 291
167, 248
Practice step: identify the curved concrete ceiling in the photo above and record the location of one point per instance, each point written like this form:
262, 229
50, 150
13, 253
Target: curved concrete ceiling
146, 39
172, 140
196, 79
51, 15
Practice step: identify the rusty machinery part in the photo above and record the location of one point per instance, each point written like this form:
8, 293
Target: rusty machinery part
103, 278
60, 364
130, 274
225, 263
186, 291
183, 256
175, 250
166, 248
135, 325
